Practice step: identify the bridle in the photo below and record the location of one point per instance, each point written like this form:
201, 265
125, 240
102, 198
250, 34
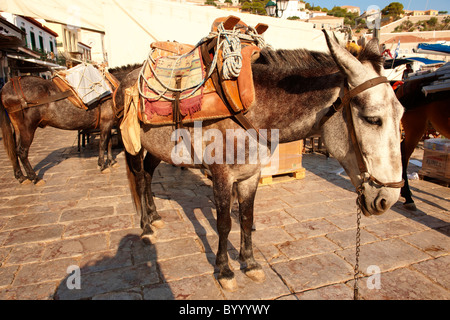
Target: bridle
345, 104
366, 176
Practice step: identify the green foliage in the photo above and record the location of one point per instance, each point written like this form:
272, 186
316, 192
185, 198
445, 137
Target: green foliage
211, 3
254, 6
349, 17
424, 25
393, 9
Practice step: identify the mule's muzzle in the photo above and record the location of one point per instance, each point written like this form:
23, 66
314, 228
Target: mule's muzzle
376, 198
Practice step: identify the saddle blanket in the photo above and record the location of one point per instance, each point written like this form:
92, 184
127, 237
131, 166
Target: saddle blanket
169, 67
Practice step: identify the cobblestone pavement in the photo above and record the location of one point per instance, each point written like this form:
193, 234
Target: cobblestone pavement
304, 238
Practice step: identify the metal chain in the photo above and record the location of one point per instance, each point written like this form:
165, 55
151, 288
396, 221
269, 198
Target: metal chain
358, 244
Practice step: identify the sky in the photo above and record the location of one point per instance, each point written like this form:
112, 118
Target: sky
440, 5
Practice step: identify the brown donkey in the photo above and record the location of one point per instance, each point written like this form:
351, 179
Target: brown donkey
19, 120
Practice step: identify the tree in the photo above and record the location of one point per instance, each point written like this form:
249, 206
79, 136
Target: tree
432, 22
394, 9
254, 6
349, 17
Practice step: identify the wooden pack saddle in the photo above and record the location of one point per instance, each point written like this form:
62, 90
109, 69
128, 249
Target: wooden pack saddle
59, 79
181, 83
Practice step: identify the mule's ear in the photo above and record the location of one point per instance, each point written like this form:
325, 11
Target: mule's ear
346, 62
373, 46
371, 53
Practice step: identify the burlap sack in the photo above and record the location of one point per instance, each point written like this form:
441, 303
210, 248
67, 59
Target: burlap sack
130, 127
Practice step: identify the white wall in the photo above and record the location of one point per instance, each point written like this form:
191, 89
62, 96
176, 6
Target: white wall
132, 25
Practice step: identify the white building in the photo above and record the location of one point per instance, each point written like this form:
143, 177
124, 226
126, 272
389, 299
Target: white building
38, 37
353, 9
296, 8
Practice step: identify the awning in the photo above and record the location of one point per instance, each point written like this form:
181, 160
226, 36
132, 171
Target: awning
434, 48
425, 60
34, 65
393, 63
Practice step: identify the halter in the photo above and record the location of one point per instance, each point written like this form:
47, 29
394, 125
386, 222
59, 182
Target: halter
366, 176
345, 103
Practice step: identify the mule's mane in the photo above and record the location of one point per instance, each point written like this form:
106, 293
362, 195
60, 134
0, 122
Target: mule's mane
287, 61
302, 60
122, 71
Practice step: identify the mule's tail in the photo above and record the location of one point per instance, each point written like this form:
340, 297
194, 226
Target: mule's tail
9, 140
133, 183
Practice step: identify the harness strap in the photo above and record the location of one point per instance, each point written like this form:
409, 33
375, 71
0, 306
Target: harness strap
48, 99
340, 103
24, 104
351, 129
237, 114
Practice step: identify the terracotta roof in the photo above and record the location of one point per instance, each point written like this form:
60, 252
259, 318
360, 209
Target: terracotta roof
84, 45
40, 25
326, 18
411, 38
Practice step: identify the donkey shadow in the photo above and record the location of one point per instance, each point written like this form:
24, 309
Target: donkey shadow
126, 275
133, 272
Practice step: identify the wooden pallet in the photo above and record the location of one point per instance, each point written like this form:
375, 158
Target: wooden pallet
424, 175
283, 177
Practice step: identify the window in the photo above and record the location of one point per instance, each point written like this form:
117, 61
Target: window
26, 41
51, 46
41, 43
33, 40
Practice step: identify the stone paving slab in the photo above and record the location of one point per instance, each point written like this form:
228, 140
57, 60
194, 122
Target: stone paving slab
304, 237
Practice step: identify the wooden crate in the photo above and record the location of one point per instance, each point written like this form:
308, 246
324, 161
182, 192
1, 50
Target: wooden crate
288, 162
436, 164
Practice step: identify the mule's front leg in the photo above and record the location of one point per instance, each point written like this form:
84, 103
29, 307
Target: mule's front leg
223, 195
246, 197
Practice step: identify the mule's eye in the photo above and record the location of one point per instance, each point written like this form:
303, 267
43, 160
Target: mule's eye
373, 120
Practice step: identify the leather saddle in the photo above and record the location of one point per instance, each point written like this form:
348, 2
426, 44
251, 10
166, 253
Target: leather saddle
182, 66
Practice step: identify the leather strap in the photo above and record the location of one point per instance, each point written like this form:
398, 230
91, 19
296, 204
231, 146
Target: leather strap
48, 99
340, 103
238, 114
345, 103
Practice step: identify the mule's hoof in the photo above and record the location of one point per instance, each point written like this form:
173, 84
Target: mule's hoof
40, 182
256, 274
148, 235
115, 165
158, 224
149, 238
228, 284
410, 206
106, 170
25, 182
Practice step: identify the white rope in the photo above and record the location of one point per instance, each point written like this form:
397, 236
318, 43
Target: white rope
231, 54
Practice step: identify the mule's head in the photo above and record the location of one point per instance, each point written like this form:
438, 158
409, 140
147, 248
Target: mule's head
375, 113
